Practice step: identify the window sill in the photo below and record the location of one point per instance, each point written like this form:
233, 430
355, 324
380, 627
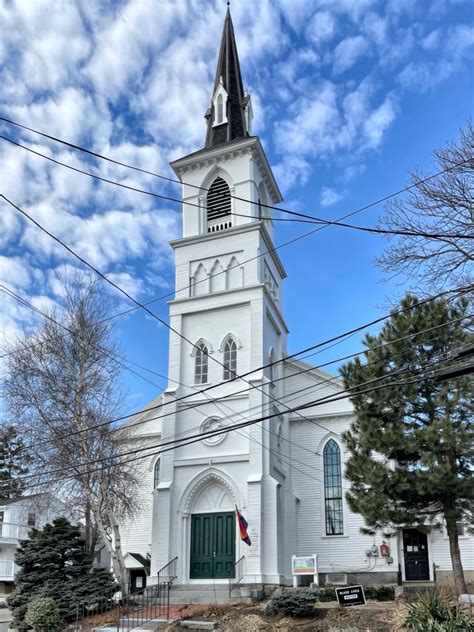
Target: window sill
203, 384
332, 537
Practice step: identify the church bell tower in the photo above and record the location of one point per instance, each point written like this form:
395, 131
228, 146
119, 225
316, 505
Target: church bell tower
228, 312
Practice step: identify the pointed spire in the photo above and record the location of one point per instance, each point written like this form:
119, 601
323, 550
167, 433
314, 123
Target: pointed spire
227, 118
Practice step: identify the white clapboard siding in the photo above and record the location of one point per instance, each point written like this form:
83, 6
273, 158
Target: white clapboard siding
441, 555
344, 553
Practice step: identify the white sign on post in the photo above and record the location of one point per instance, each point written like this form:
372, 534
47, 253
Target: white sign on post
304, 565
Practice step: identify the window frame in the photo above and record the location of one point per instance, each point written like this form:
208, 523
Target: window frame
201, 364
157, 473
333, 489
230, 359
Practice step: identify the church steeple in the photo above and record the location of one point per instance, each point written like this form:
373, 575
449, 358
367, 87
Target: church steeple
230, 113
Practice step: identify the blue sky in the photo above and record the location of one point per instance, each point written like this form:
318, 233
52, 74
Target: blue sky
348, 96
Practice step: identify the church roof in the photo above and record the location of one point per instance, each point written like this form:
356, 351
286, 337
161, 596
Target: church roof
229, 76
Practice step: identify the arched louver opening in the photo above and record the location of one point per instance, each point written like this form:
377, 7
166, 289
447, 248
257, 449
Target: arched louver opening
218, 201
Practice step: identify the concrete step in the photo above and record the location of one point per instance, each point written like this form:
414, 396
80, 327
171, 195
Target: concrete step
206, 598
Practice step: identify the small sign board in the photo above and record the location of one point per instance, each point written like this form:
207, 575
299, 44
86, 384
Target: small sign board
304, 565
350, 596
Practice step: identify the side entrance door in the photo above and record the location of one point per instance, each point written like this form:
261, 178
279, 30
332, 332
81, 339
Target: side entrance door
415, 549
212, 545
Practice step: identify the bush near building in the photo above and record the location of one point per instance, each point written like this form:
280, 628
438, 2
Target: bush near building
55, 563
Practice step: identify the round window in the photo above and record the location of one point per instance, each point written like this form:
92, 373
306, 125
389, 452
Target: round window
212, 425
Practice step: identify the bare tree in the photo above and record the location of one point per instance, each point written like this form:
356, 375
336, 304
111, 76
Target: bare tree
443, 205
62, 383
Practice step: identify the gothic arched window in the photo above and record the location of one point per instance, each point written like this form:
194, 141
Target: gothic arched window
220, 110
333, 488
230, 359
157, 474
201, 366
218, 200
271, 368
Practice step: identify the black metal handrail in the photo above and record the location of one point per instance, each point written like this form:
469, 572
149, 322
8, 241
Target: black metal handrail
235, 574
150, 602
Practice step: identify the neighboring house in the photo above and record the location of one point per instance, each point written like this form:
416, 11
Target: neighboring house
17, 517
286, 473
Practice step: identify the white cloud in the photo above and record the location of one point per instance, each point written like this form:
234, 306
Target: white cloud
321, 27
330, 196
378, 122
348, 52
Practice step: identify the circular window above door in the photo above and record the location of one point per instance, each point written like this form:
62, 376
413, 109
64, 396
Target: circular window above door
211, 425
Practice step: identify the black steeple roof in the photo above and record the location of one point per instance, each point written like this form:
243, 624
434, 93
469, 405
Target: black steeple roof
228, 71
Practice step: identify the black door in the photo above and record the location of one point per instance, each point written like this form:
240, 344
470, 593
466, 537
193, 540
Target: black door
137, 580
415, 548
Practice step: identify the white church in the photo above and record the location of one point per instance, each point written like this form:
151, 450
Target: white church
228, 364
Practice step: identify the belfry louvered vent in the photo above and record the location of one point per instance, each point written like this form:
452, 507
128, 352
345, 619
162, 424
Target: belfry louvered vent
218, 200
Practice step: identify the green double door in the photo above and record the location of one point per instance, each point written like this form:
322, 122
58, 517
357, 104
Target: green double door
212, 545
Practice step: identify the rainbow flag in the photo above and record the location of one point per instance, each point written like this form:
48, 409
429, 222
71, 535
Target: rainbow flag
243, 524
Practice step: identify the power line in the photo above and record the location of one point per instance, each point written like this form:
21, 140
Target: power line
309, 218
224, 397
131, 298
220, 431
312, 218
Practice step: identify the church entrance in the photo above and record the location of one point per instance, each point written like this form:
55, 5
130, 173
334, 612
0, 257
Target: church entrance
212, 545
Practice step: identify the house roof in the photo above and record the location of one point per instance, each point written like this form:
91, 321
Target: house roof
228, 71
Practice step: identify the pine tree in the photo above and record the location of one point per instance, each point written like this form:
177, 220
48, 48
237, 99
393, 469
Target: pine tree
411, 446
14, 462
54, 563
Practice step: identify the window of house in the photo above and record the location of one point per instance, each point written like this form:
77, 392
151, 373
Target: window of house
157, 474
333, 488
31, 519
460, 528
201, 366
230, 359
218, 200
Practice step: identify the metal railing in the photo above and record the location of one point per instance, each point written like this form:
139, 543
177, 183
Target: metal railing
235, 574
7, 569
90, 610
13, 531
150, 603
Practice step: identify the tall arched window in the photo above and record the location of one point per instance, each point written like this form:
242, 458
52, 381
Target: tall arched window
220, 110
271, 368
201, 366
157, 474
333, 488
230, 359
218, 200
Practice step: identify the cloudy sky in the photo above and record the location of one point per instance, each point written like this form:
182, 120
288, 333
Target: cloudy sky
348, 96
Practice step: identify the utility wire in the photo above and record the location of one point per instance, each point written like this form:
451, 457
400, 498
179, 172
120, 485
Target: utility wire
260, 204
309, 218
224, 397
220, 431
136, 302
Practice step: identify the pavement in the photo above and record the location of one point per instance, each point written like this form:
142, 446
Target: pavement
5, 618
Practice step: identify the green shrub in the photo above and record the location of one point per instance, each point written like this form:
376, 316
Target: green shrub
293, 603
327, 594
437, 612
380, 593
43, 615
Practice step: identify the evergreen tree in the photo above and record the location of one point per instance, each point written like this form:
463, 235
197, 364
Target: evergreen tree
54, 563
14, 462
411, 449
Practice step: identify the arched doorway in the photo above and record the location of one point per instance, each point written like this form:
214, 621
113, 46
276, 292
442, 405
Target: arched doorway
211, 526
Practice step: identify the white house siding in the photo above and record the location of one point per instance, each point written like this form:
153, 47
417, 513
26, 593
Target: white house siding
336, 554
442, 558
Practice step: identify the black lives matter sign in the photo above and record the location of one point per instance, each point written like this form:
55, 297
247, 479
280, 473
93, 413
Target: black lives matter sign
352, 596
